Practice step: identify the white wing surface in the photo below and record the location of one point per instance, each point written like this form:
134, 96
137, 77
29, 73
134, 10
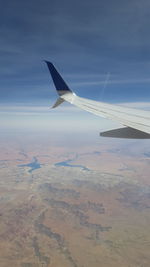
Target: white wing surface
136, 121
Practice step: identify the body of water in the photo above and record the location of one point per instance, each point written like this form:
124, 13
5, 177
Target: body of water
66, 163
33, 165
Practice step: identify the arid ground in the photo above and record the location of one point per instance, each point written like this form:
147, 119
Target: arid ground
74, 206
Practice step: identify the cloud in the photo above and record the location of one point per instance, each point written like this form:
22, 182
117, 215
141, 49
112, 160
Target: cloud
63, 119
63, 109
36, 110
81, 37
127, 81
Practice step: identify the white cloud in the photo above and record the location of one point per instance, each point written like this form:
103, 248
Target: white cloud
119, 81
35, 110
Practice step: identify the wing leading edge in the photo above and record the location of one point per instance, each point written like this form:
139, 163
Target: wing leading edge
137, 122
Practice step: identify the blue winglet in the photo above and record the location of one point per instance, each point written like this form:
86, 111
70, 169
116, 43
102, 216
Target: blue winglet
59, 83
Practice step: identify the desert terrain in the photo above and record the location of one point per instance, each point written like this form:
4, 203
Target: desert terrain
74, 206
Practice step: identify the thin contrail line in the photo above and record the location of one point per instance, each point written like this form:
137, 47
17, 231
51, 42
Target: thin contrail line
105, 84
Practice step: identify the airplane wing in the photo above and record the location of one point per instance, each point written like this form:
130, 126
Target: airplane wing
137, 122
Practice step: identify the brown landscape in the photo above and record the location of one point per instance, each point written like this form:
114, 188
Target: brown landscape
74, 206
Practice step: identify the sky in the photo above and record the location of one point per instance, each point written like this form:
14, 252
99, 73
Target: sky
85, 40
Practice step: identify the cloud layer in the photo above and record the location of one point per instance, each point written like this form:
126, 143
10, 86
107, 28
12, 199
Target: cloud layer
82, 38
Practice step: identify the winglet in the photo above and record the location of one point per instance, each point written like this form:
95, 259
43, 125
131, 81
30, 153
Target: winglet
61, 87
58, 102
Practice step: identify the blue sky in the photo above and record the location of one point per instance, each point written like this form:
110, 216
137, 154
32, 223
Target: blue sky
84, 39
